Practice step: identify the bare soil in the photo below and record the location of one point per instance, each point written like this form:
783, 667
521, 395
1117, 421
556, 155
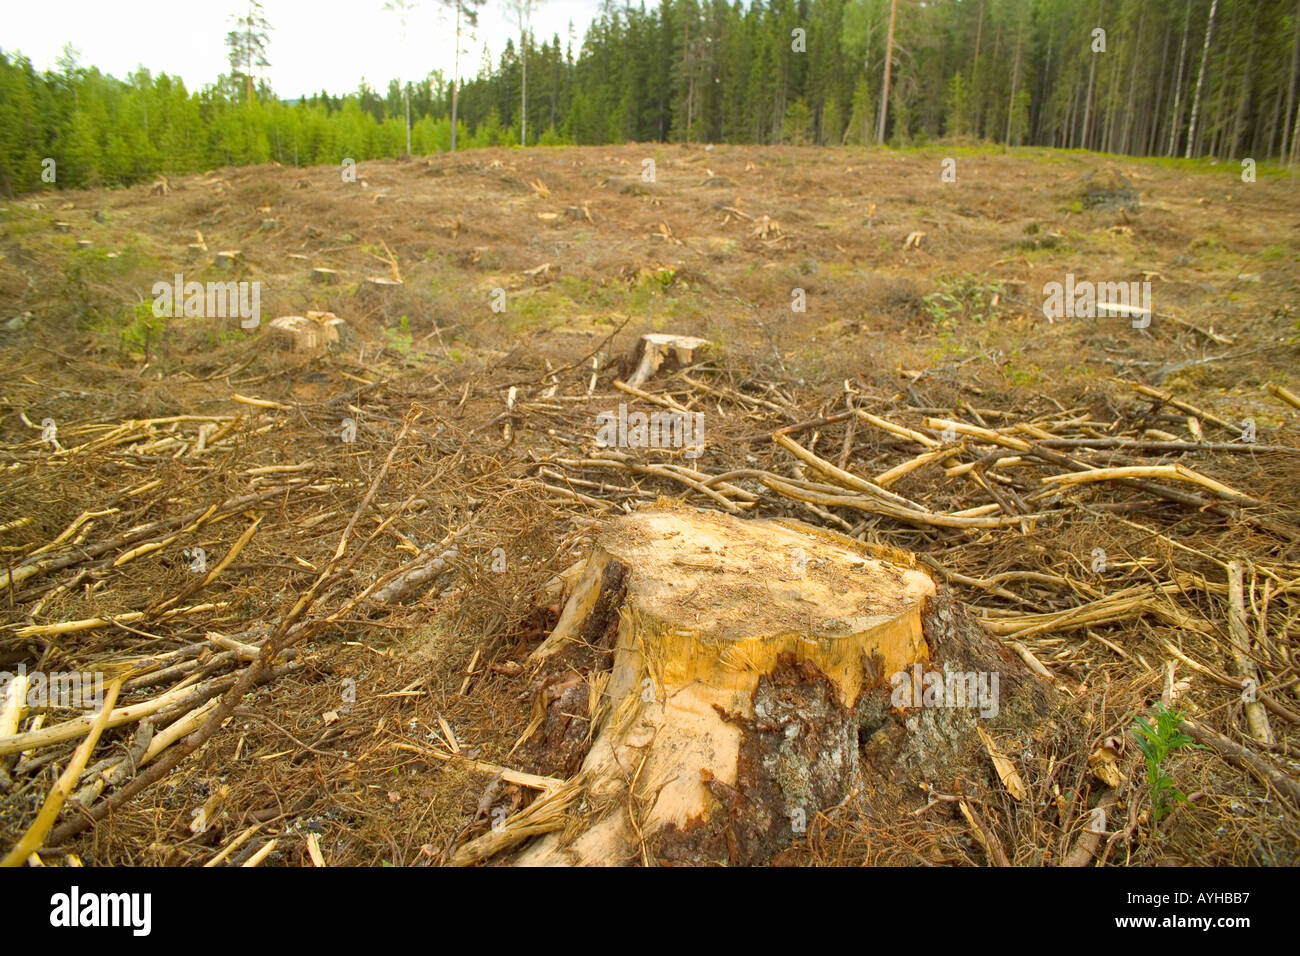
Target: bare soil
475, 433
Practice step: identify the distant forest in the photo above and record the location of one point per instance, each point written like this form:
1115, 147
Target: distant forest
1184, 78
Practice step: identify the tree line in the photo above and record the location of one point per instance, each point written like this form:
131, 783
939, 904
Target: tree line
1185, 78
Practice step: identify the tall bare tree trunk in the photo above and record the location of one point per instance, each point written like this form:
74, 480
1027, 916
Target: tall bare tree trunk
455, 80
889, 60
1087, 104
1112, 88
1234, 144
1047, 72
1015, 81
1151, 124
1177, 118
976, 99
1200, 79
1290, 89
1124, 121
1221, 131
1295, 136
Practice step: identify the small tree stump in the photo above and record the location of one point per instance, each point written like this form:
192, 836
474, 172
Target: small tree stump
323, 275
227, 259
656, 348
313, 332
84, 243
61, 226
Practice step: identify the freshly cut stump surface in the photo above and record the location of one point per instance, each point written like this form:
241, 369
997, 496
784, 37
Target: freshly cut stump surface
740, 650
714, 683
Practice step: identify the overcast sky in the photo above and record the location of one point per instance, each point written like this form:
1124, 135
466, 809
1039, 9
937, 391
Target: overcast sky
315, 44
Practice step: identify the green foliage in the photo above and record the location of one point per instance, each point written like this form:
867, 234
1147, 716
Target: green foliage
957, 99
400, 338
963, 298
861, 129
658, 280
1157, 741
1005, 71
797, 128
135, 329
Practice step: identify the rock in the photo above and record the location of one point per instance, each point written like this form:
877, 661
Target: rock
1107, 189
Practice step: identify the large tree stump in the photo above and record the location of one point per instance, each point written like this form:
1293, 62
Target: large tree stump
710, 681
713, 683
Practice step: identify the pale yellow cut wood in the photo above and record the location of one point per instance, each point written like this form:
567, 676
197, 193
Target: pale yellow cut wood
1007, 772
707, 605
31, 841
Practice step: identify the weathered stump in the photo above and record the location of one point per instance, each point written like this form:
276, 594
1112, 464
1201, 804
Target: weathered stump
1108, 189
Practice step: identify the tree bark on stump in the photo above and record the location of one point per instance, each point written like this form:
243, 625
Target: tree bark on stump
713, 683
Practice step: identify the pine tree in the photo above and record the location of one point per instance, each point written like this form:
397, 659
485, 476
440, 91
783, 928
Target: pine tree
246, 45
797, 126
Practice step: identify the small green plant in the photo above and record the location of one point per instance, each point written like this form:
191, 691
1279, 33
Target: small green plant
1157, 741
138, 329
962, 298
400, 337
656, 280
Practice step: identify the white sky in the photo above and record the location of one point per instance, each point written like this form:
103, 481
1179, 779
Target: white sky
314, 45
